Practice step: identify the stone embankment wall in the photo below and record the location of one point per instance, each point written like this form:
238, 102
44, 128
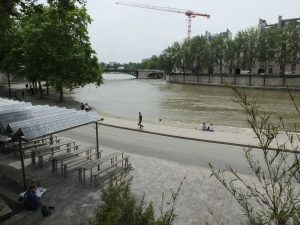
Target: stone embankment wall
261, 81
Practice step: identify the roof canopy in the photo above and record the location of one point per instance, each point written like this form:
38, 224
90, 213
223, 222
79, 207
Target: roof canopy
24, 120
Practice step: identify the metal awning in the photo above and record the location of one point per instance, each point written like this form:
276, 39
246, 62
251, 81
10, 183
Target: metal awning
21, 119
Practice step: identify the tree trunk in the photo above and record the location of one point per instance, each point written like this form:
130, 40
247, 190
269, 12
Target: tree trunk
8, 82
61, 94
41, 90
47, 87
35, 87
221, 71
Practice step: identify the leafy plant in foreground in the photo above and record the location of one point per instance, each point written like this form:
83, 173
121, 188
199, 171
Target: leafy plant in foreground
274, 196
120, 206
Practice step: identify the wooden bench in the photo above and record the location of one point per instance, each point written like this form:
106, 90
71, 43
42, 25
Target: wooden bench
15, 176
76, 163
50, 150
69, 156
113, 158
40, 142
93, 178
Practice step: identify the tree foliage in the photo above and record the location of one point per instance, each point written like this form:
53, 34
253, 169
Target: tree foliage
49, 43
274, 196
248, 49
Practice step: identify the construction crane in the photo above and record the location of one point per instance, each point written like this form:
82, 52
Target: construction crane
190, 14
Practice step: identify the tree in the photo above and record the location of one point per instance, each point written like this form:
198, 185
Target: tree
173, 56
267, 46
230, 54
218, 48
275, 196
57, 46
288, 46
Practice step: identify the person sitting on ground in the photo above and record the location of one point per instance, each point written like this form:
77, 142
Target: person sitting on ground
31, 200
204, 127
87, 108
211, 128
82, 107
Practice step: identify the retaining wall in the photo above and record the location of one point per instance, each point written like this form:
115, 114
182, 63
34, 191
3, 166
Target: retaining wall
292, 81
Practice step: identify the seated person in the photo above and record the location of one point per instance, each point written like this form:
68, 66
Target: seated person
211, 128
204, 127
31, 200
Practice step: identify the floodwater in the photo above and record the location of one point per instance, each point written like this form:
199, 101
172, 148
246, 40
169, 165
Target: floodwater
124, 96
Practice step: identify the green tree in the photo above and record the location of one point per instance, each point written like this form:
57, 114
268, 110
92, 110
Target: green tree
218, 50
172, 58
152, 63
57, 46
267, 46
230, 54
288, 46
199, 54
246, 42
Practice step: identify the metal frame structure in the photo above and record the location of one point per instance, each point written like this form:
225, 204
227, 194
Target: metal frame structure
189, 13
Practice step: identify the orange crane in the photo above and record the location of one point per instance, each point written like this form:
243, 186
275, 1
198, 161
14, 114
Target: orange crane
190, 14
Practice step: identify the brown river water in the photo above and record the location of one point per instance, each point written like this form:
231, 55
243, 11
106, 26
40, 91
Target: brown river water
180, 104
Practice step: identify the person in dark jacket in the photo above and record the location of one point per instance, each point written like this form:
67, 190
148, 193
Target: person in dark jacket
140, 120
31, 200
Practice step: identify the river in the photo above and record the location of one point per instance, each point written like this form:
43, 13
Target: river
184, 105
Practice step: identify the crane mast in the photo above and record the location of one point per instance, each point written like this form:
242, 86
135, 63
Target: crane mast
190, 14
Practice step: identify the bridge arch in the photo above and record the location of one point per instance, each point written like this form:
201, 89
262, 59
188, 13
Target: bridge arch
140, 73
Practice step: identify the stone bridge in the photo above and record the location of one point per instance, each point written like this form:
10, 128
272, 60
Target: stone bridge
140, 73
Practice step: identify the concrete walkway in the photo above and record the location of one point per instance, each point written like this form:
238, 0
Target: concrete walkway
244, 137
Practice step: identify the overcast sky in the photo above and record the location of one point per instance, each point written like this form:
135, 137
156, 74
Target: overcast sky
129, 34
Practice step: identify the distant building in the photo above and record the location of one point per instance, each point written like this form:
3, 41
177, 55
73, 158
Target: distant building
112, 63
227, 35
144, 60
292, 67
262, 24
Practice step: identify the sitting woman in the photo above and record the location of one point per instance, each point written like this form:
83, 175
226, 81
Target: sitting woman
31, 200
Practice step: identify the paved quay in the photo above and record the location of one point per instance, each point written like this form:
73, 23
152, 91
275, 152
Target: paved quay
200, 194
243, 137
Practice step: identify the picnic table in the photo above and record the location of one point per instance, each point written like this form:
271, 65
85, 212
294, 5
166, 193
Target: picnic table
97, 163
40, 152
71, 157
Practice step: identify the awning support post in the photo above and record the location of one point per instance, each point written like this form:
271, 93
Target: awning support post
97, 141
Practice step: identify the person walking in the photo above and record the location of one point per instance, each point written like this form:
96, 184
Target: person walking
140, 120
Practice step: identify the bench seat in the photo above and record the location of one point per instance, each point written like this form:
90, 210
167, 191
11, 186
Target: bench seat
93, 178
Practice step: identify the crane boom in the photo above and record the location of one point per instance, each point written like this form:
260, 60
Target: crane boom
190, 14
